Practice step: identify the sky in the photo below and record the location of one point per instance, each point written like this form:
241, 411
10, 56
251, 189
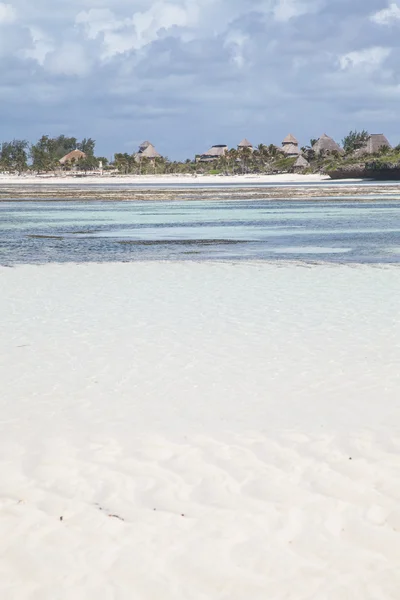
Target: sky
187, 74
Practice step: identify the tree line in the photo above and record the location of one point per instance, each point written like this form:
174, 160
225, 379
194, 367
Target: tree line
18, 156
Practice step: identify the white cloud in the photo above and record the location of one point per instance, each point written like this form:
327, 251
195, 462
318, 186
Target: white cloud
7, 13
369, 58
69, 59
42, 45
236, 42
97, 20
121, 34
289, 9
388, 15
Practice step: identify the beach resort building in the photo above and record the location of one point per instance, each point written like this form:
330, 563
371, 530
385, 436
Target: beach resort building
72, 157
326, 144
290, 146
245, 144
147, 150
144, 145
214, 153
375, 142
301, 164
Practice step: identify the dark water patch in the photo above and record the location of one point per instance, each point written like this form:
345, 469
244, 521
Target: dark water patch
49, 237
196, 242
85, 232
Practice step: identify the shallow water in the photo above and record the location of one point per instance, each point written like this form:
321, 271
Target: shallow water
338, 232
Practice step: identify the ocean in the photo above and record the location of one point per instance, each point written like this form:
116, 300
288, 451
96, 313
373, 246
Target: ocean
99, 231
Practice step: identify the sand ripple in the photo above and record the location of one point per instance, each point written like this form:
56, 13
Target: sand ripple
199, 431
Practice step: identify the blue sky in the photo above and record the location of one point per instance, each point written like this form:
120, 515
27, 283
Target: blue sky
186, 74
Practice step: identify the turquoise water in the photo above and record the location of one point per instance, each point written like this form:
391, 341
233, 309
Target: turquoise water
43, 232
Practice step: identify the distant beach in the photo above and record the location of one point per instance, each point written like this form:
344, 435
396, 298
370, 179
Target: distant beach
185, 187
159, 179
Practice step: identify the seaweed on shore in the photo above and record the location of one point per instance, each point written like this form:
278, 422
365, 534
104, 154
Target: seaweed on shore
228, 194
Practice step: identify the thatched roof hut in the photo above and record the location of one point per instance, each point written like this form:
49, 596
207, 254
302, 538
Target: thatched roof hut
375, 142
326, 144
301, 164
290, 139
291, 149
290, 146
73, 156
245, 144
215, 152
149, 152
144, 145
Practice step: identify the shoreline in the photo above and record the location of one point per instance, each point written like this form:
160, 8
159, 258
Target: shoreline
168, 189
161, 179
328, 193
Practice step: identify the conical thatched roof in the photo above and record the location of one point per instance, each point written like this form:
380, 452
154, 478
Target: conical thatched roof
290, 139
73, 156
375, 142
291, 149
326, 144
301, 163
245, 144
149, 152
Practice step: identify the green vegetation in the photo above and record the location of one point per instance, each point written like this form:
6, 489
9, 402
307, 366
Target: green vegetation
14, 156
284, 164
355, 140
18, 156
384, 158
47, 152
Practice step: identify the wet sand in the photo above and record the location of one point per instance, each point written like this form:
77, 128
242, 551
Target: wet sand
326, 192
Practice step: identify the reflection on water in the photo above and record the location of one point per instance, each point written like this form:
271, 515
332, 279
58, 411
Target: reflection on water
42, 232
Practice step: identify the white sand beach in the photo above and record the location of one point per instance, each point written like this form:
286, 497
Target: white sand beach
162, 179
199, 432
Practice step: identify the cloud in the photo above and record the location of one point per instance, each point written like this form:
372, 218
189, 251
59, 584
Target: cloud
236, 42
285, 10
68, 59
189, 73
134, 32
387, 16
369, 58
7, 13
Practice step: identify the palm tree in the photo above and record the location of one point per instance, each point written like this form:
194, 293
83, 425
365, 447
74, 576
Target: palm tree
223, 163
263, 154
262, 149
272, 150
245, 155
122, 161
159, 164
232, 156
